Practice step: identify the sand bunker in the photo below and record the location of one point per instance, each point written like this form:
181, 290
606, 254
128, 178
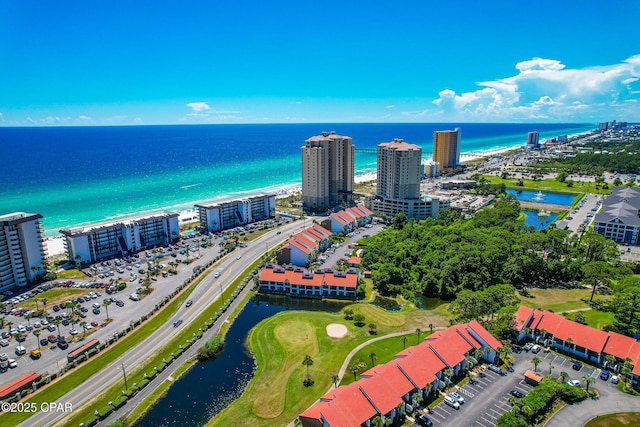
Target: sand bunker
336, 330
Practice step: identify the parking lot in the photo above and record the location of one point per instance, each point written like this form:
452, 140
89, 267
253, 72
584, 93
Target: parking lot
487, 398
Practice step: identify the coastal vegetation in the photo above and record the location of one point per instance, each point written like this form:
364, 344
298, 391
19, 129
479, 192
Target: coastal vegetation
621, 419
441, 257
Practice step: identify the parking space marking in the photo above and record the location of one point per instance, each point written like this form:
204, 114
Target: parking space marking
466, 393
491, 423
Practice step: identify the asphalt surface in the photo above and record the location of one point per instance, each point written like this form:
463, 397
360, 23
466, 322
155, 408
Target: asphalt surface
206, 292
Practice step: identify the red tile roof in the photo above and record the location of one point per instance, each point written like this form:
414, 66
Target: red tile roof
484, 335
522, 315
296, 244
339, 219
355, 260
420, 364
380, 393
399, 383
279, 275
353, 400
450, 346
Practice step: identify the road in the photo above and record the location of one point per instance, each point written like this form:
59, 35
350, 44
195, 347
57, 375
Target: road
206, 292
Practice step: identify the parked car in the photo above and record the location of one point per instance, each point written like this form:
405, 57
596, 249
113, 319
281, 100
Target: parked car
451, 402
13, 363
44, 341
4, 343
535, 349
517, 393
527, 346
421, 419
457, 397
615, 379
575, 383
577, 365
604, 375
496, 369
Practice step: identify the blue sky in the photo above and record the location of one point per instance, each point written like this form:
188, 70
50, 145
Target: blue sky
133, 62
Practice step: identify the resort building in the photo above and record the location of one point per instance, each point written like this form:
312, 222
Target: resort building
95, 242
386, 390
298, 282
446, 149
619, 218
398, 183
430, 169
327, 171
533, 141
22, 249
225, 214
554, 330
303, 248
349, 219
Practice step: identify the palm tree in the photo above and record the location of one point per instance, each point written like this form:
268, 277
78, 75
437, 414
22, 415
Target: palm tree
404, 341
611, 361
308, 361
354, 371
44, 303
570, 341
418, 331
431, 327
1, 322
84, 328
588, 379
57, 323
503, 352
372, 356
377, 421
536, 361
564, 375
106, 304
550, 368
449, 373
478, 354
37, 332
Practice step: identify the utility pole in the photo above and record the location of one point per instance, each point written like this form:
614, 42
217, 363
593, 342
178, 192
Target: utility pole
124, 374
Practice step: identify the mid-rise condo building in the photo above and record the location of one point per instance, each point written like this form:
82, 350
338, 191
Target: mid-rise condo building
22, 249
327, 171
223, 215
95, 242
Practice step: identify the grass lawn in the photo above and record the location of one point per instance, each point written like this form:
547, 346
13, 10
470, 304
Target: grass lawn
54, 296
276, 395
72, 273
547, 185
598, 319
624, 419
557, 300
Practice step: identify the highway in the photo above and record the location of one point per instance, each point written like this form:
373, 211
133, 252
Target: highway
206, 292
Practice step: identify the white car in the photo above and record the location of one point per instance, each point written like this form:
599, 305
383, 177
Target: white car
44, 322
37, 325
457, 397
88, 327
615, 379
451, 402
574, 383
73, 331
13, 363
3, 356
4, 343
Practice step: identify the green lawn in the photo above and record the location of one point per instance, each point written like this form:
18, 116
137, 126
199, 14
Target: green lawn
624, 419
276, 395
72, 273
557, 300
548, 185
598, 319
54, 296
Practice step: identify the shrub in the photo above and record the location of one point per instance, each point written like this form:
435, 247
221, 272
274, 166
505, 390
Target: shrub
211, 348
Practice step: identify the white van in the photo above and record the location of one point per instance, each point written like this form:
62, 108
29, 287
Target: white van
20, 350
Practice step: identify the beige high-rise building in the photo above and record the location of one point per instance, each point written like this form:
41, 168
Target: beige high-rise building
446, 148
22, 249
327, 171
399, 170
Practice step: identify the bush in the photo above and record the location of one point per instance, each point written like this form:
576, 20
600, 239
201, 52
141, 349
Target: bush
212, 348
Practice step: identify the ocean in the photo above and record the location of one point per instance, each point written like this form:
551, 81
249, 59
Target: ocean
79, 175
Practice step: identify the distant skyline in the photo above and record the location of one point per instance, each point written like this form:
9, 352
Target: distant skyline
123, 63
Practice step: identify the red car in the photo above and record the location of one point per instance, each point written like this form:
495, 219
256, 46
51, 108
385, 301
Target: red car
51, 338
94, 324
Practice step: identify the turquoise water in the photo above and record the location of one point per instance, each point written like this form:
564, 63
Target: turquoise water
543, 197
75, 176
539, 222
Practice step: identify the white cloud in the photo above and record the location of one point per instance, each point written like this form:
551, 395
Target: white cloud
199, 107
390, 106
85, 119
545, 89
1, 118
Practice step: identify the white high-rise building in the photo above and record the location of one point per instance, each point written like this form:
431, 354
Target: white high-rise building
399, 170
224, 214
327, 171
22, 249
91, 243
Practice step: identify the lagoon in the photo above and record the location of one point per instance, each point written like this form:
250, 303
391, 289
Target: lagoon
537, 221
543, 197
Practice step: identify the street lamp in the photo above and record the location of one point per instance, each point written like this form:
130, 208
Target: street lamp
124, 374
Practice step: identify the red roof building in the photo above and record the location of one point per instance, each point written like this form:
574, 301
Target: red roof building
384, 388
578, 339
303, 248
19, 384
297, 281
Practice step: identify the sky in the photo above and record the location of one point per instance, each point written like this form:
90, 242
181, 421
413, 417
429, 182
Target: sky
140, 62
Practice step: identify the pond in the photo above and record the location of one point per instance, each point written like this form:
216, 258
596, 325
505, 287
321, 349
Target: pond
389, 304
211, 386
539, 220
543, 197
